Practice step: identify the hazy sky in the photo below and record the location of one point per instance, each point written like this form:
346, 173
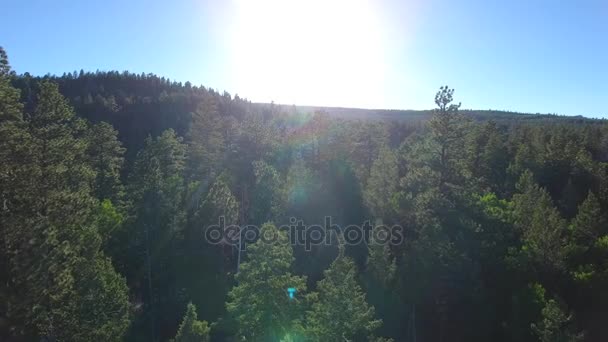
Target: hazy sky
521, 55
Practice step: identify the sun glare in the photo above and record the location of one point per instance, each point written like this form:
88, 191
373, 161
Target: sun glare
308, 52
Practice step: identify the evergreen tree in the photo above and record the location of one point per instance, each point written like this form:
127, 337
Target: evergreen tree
259, 303
448, 132
206, 143
365, 141
590, 222
495, 159
555, 325
10, 107
380, 261
61, 286
15, 145
382, 185
14, 137
203, 270
542, 228
588, 245
191, 329
5, 67
300, 186
218, 202
268, 194
157, 193
382, 285
106, 157
486, 157
339, 311
474, 236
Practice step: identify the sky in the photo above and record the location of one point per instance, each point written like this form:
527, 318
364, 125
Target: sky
535, 56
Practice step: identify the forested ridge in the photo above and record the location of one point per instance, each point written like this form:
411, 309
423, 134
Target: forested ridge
109, 181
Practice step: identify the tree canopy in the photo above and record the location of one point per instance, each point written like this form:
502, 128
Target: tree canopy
112, 185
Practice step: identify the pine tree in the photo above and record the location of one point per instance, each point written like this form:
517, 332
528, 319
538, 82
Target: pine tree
555, 324
495, 160
157, 193
382, 185
15, 145
10, 107
268, 194
103, 305
14, 138
365, 141
448, 132
191, 329
259, 303
380, 262
590, 222
5, 67
218, 202
106, 157
61, 286
300, 187
524, 201
205, 140
487, 158
339, 311
254, 140
588, 245
542, 228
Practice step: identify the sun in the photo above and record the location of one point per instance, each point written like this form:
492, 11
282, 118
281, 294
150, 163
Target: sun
308, 52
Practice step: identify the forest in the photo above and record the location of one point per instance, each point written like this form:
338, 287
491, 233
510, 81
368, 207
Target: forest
111, 183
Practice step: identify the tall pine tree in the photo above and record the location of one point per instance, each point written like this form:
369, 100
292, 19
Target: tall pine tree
61, 285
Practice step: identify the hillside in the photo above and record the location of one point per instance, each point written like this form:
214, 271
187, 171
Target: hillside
133, 208
424, 115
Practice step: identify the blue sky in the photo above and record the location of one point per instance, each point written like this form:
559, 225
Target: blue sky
530, 56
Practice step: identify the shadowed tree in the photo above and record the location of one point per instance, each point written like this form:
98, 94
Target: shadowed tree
191, 329
339, 309
106, 156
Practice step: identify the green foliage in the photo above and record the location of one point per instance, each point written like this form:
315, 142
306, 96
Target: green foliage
268, 194
109, 219
365, 141
219, 201
157, 186
543, 229
5, 67
447, 128
191, 329
380, 262
156, 191
339, 308
59, 284
554, 325
10, 106
300, 184
105, 153
259, 303
489, 201
590, 222
487, 157
103, 307
588, 248
383, 181
205, 140
495, 207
